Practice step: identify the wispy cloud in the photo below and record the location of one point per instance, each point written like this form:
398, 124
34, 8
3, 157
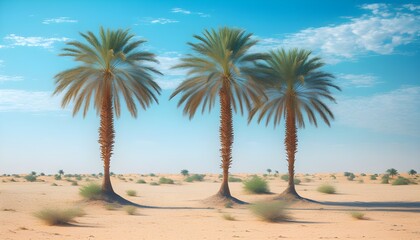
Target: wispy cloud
13, 100
188, 12
172, 77
59, 20
162, 21
394, 112
43, 42
5, 78
357, 80
380, 31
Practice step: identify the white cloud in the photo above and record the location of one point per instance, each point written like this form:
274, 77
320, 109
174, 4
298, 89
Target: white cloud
394, 112
33, 41
13, 100
5, 78
357, 80
187, 12
379, 32
412, 7
161, 21
168, 84
172, 77
59, 20
180, 10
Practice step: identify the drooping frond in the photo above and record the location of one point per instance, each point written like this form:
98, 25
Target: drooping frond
219, 56
112, 56
294, 80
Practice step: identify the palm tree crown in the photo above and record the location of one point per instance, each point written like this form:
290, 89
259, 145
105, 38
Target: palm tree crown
111, 61
295, 83
220, 59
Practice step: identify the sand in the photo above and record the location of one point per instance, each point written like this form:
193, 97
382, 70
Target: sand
392, 212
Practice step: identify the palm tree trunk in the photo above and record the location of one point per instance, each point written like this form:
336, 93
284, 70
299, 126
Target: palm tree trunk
226, 139
290, 143
106, 138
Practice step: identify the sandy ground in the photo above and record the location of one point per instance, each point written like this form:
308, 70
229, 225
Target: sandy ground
392, 212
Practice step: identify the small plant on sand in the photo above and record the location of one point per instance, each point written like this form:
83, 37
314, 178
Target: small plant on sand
30, 178
373, 177
256, 185
91, 191
234, 179
401, 181
285, 177
78, 178
358, 215
141, 181
228, 204
112, 206
164, 180
57, 177
54, 184
154, 184
130, 210
228, 217
74, 183
363, 174
326, 188
42, 174
185, 172
53, 216
131, 193
274, 211
385, 179
195, 178
297, 181
152, 175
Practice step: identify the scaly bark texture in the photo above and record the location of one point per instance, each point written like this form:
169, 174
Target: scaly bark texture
226, 138
106, 137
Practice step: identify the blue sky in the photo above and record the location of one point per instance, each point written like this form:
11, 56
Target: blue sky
371, 47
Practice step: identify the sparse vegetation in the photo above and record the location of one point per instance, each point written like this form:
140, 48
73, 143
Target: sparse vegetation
363, 174
141, 181
57, 177
326, 188
228, 217
234, 179
401, 181
285, 177
385, 179
256, 185
358, 215
74, 183
373, 177
55, 216
351, 177
274, 211
195, 178
297, 181
164, 180
112, 206
152, 175
228, 204
30, 178
154, 184
130, 210
54, 184
185, 172
131, 193
91, 191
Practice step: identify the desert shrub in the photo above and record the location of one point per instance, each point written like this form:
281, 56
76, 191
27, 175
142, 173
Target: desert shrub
141, 181
373, 177
54, 184
52, 216
30, 178
362, 174
351, 177
130, 210
112, 206
346, 174
152, 175
333, 176
401, 181
91, 191
265, 175
234, 179
285, 177
296, 181
100, 174
358, 215
385, 179
78, 178
154, 184
361, 181
274, 211
228, 217
164, 180
256, 185
42, 174
130, 179
57, 177
74, 183
131, 193
228, 204
185, 172
307, 180
326, 188
195, 178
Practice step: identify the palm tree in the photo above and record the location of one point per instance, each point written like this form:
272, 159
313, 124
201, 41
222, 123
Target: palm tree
61, 172
294, 86
220, 66
392, 172
111, 66
412, 172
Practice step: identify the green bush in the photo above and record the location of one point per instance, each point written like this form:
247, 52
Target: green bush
362, 174
152, 175
30, 178
296, 181
131, 193
141, 181
270, 211
112, 206
234, 179
91, 191
195, 178
372, 177
74, 183
385, 179
358, 215
326, 188
401, 181
164, 180
130, 210
346, 174
57, 177
285, 177
228, 217
53, 216
256, 185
